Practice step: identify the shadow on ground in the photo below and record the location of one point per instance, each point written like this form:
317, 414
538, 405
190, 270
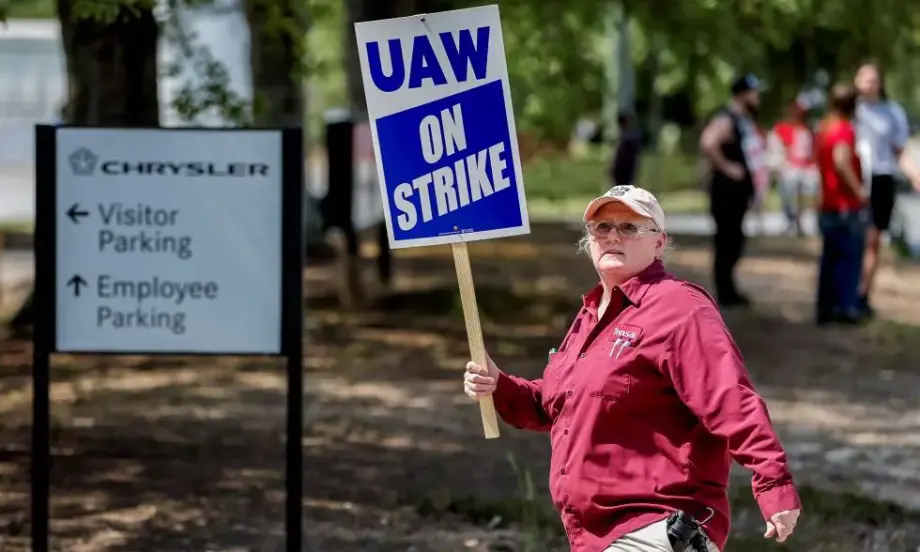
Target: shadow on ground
186, 454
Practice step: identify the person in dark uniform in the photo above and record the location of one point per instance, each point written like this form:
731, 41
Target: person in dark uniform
733, 147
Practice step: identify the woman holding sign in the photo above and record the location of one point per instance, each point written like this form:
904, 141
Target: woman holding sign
647, 401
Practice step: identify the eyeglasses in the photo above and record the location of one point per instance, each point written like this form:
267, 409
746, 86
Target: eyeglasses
623, 229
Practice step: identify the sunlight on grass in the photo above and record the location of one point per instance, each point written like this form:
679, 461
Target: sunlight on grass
558, 177
894, 335
34, 9
16, 226
561, 187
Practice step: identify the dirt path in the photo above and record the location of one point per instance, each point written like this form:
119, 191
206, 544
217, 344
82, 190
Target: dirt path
180, 454
845, 400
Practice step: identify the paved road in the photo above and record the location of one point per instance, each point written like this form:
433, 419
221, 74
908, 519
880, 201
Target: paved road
16, 267
17, 201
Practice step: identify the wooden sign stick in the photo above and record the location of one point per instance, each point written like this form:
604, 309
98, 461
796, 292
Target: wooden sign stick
474, 331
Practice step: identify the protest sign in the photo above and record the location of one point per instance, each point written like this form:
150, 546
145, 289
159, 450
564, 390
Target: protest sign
439, 105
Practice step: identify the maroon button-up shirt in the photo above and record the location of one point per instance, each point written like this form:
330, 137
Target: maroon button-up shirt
646, 408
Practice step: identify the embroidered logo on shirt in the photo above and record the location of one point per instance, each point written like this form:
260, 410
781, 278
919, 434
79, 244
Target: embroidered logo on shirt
623, 337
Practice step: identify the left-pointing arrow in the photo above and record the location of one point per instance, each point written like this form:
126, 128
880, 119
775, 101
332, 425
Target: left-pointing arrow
77, 283
76, 214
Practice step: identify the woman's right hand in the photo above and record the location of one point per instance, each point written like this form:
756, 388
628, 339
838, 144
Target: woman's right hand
735, 171
479, 382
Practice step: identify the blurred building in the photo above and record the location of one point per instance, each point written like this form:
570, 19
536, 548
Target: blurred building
33, 84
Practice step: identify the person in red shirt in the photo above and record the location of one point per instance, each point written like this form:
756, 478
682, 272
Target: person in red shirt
647, 400
797, 171
843, 217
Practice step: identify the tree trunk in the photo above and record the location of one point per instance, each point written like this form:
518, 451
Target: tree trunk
342, 236
276, 61
112, 78
345, 240
366, 10
111, 67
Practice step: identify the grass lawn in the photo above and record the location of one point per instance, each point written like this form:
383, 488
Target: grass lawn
16, 226
31, 9
562, 186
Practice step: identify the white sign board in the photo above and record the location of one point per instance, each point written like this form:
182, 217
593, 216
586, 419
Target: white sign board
168, 240
366, 210
439, 104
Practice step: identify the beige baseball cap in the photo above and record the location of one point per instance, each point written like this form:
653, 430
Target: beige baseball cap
639, 201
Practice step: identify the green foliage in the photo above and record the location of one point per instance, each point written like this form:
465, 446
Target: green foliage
557, 51
558, 177
205, 82
555, 64
325, 60
27, 9
206, 88
108, 11
785, 41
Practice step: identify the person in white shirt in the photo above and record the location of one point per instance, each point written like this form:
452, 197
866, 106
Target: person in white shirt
882, 133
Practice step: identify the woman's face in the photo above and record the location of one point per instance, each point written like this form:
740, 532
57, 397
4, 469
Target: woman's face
868, 81
618, 256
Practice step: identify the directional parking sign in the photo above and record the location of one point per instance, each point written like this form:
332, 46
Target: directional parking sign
152, 241
168, 240
443, 128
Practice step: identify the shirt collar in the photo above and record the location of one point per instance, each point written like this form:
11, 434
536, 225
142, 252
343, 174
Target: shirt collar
633, 289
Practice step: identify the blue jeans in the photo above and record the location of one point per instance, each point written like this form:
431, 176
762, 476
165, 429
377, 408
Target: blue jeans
844, 236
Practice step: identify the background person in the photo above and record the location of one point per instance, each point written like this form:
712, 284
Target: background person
647, 399
625, 164
761, 177
883, 132
729, 142
792, 141
843, 217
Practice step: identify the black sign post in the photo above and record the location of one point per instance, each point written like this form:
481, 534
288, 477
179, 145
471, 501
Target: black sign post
229, 200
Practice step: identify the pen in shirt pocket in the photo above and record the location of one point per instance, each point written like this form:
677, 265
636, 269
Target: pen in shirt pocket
551, 353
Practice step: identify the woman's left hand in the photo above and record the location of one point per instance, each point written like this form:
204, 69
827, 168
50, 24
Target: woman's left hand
782, 525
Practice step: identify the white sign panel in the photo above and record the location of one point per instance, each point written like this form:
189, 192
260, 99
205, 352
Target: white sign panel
366, 210
169, 241
439, 104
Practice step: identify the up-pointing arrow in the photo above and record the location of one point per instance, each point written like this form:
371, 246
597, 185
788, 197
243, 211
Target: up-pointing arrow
76, 214
77, 283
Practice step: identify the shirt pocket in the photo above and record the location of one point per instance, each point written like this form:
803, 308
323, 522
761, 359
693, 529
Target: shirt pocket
612, 387
612, 381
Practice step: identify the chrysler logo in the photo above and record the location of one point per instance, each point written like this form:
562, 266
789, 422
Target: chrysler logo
83, 162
